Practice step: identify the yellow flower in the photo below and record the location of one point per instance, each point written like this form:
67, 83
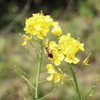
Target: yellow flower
71, 59
63, 75
57, 55
70, 44
57, 76
69, 47
42, 33
56, 30
86, 60
26, 38
39, 24
64, 39
66, 49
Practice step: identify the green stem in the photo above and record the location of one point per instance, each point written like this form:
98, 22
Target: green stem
75, 81
22, 92
39, 71
34, 49
88, 93
92, 88
28, 82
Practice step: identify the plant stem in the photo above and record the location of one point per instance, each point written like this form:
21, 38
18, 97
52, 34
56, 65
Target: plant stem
28, 82
39, 71
34, 49
75, 81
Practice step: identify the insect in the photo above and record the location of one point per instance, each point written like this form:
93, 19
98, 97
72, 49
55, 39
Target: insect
49, 52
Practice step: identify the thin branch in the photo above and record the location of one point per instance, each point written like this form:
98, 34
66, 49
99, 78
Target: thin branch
22, 92
28, 82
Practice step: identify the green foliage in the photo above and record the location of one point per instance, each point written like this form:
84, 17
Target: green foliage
94, 4
85, 9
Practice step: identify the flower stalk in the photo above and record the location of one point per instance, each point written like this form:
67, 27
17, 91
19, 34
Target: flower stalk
39, 71
75, 80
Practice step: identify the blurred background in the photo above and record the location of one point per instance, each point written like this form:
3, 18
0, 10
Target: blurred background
79, 17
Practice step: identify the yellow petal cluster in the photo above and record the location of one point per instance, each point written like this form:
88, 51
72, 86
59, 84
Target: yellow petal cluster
26, 38
66, 49
56, 75
39, 24
56, 30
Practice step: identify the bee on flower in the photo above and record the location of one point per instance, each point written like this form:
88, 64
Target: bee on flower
49, 52
52, 50
66, 49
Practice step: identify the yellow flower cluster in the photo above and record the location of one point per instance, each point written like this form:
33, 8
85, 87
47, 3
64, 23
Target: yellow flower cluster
38, 25
56, 75
66, 49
